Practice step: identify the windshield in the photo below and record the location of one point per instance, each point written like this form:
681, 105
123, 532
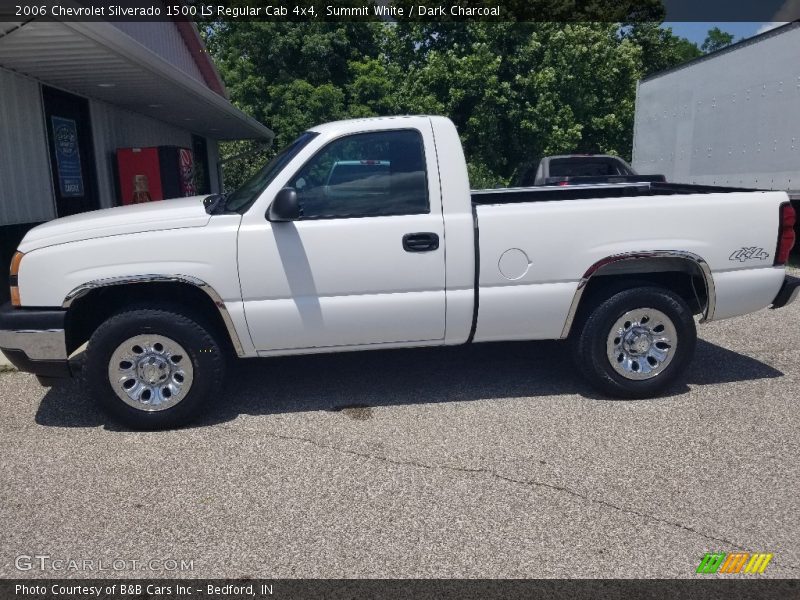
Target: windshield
244, 196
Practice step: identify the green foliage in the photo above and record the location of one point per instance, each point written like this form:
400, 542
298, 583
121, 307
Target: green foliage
481, 178
516, 91
661, 49
716, 40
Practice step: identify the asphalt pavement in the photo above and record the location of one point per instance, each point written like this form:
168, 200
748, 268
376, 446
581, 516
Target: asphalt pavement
493, 460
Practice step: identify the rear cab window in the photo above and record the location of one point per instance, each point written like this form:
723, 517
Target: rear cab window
587, 167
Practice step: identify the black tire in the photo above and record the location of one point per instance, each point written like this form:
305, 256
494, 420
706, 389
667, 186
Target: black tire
592, 345
207, 363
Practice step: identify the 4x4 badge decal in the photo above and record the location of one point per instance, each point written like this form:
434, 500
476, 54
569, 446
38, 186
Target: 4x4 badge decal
744, 254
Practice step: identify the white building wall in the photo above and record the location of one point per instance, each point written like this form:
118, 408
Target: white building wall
26, 188
215, 172
113, 128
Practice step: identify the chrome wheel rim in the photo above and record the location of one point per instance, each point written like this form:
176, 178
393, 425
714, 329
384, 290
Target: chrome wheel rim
642, 343
150, 372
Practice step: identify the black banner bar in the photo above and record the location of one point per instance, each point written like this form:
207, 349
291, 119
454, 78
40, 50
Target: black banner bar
402, 10
436, 589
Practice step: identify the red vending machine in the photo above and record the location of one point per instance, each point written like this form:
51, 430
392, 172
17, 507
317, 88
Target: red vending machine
147, 174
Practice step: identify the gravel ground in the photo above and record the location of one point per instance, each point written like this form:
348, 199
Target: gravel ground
485, 461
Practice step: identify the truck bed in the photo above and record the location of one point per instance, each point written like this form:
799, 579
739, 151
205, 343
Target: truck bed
585, 192
533, 251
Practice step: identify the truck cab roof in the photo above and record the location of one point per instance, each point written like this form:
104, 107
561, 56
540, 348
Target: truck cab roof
369, 123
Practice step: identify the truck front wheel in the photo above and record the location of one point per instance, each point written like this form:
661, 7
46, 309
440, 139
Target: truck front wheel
636, 343
153, 368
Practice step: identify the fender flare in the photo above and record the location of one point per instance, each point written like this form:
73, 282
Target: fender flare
87, 287
595, 269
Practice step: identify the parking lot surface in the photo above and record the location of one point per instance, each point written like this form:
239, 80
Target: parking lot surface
494, 460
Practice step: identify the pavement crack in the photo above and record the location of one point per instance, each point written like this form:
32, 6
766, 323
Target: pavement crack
526, 482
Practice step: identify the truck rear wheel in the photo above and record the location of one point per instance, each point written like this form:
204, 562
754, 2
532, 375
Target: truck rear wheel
153, 368
636, 343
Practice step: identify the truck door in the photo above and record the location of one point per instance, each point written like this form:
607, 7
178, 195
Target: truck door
364, 264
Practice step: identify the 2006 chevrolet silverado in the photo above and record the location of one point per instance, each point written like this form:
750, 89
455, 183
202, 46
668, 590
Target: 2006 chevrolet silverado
364, 234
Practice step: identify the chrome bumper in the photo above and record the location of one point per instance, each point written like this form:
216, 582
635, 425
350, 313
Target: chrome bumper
34, 340
49, 344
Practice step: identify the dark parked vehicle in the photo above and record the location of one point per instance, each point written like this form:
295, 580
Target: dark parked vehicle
576, 169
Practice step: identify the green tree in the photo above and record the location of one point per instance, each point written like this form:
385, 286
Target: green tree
516, 91
661, 49
288, 75
716, 40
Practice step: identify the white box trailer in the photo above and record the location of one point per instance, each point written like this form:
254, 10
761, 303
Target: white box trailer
730, 118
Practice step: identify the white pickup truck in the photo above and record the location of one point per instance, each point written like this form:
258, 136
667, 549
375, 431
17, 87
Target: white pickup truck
399, 253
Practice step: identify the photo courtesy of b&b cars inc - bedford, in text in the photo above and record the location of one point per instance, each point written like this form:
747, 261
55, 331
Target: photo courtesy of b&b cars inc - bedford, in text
393, 300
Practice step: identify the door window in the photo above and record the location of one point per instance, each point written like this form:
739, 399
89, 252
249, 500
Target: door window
365, 175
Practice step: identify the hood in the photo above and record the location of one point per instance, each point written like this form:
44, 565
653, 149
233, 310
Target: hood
134, 218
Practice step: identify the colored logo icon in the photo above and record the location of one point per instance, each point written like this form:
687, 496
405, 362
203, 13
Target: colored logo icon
734, 562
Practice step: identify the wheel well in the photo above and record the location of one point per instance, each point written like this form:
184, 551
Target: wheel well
682, 277
91, 310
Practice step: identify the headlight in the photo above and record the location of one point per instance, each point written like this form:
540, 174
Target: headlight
13, 278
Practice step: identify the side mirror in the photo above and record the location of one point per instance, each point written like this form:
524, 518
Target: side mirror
284, 207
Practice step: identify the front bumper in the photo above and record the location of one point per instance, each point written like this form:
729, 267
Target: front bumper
788, 293
34, 340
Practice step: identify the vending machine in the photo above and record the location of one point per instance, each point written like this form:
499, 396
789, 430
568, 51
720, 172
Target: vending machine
156, 173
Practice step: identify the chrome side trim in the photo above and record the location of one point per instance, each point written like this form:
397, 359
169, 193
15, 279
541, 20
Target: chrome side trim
699, 261
40, 344
85, 288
